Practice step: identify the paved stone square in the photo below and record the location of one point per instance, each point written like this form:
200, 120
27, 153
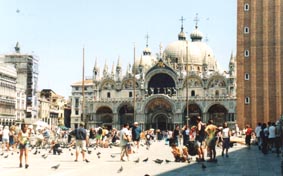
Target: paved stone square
241, 162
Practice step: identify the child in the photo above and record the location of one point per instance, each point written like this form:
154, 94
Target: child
180, 157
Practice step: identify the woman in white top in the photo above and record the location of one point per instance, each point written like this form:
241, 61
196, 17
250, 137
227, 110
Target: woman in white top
5, 138
226, 133
23, 138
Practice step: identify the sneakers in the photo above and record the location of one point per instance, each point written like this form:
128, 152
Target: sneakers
87, 161
26, 166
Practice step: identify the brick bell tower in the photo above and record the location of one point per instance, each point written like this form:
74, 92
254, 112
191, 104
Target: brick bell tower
259, 61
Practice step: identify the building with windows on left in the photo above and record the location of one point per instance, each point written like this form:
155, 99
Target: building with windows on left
26, 83
8, 77
51, 107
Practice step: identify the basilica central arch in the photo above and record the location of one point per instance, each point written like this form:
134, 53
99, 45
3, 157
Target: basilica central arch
159, 113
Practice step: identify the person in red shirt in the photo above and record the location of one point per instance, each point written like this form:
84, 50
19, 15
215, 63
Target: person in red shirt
249, 131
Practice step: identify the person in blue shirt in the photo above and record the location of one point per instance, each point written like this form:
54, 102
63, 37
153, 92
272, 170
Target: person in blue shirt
136, 132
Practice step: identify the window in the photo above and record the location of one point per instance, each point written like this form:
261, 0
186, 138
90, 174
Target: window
247, 53
76, 102
217, 93
76, 112
247, 76
193, 93
246, 30
246, 7
85, 88
130, 94
76, 88
108, 95
247, 100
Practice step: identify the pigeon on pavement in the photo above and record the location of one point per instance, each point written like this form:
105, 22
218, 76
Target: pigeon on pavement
120, 170
158, 161
145, 160
55, 167
167, 161
203, 166
137, 160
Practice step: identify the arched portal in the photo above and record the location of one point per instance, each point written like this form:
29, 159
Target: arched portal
161, 122
159, 114
194, 112
161, 84
104, 116
126, 114
218, 113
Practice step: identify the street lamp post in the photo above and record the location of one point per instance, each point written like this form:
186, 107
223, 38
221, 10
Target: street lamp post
187, 89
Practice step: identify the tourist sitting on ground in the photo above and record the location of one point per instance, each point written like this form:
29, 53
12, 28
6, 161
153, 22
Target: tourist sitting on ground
55, 147
180, 156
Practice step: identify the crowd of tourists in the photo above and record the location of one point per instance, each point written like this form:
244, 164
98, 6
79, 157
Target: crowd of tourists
199, 140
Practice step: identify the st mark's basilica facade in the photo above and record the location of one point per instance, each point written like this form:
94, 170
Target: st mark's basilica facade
182, 82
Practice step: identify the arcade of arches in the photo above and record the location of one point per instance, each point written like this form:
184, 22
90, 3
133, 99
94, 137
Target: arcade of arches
159, 115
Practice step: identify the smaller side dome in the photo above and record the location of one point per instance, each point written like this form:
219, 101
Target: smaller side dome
182, 35
147, 51
196, 35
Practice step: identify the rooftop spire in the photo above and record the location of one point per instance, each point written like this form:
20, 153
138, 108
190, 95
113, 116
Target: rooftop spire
95, 65
196, 20
182, 22
118, 63
146, 51
17, 47
196, 35
182, 35
147, 37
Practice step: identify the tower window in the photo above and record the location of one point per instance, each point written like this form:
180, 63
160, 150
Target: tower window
247, 76
217, 93
246, 7
108, 95
246, 30
247, 100
193, 93
247, 53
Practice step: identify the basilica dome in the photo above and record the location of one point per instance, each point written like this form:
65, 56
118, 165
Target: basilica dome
193, 52
146, 61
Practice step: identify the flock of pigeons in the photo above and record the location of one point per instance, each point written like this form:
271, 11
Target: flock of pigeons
55, 167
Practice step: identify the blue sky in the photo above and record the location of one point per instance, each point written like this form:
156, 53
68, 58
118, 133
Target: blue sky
57, 30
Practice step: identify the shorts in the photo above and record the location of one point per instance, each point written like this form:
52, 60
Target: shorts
136, 139
23, 146
198, 144
226, 143
98, 137
5, 140
81, 144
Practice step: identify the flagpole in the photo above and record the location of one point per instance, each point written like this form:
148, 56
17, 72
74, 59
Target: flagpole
134, 86
83, 85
